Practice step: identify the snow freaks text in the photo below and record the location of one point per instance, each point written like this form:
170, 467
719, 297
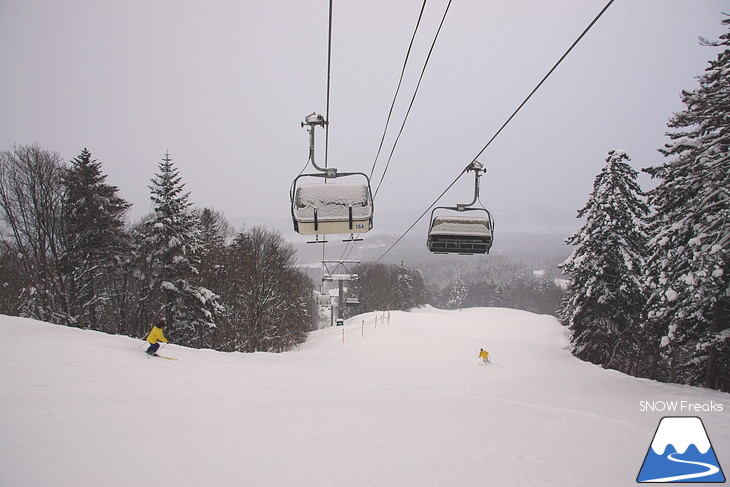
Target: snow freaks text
677, 406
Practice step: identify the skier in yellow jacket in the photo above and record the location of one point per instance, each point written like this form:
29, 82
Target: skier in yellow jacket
155, 336
484, 355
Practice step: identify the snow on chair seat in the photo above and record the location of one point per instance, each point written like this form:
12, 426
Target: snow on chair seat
332, 208
460, 234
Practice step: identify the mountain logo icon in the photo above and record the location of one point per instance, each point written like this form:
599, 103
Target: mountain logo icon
681, 452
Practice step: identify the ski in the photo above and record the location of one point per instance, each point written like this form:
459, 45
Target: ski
149, 355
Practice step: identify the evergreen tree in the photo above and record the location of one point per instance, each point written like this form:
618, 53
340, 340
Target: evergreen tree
420, 289
215, 234
549, 297
524, 290
457, 295
480, 294
605, 297
403, 291
501, 298
689, 305
373, 287
170, 254
94, 239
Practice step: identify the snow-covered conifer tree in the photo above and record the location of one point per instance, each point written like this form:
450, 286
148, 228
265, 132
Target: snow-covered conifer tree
170, 251
689, 269
458, 294
373, 287
403, 291
605, 297
420, 289
94, 239
501, 298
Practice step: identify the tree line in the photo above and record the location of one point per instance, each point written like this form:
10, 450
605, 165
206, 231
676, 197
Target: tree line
69, 256
649, 274
508, 284
387, 287
525, 291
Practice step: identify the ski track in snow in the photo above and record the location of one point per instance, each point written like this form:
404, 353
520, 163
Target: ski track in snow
401, 404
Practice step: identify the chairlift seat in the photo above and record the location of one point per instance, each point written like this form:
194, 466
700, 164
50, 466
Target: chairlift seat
460, 234
332, 208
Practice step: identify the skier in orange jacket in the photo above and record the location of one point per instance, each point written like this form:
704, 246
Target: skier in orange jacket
155, 336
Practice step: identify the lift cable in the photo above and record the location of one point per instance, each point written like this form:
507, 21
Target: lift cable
413, 99
424, 213
600, 14
397, 90
580, 37
327, 104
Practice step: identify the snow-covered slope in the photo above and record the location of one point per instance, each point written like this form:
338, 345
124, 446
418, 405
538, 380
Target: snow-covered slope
403, 403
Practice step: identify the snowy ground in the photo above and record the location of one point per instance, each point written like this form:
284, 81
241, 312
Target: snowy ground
407, 404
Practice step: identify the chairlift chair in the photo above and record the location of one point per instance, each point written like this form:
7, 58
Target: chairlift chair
328, 208
324, 299
459, 233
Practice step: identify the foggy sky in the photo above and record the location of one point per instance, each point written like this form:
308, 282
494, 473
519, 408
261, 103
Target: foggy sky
224, 85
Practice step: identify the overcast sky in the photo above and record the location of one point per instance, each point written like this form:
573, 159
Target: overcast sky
224, 85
